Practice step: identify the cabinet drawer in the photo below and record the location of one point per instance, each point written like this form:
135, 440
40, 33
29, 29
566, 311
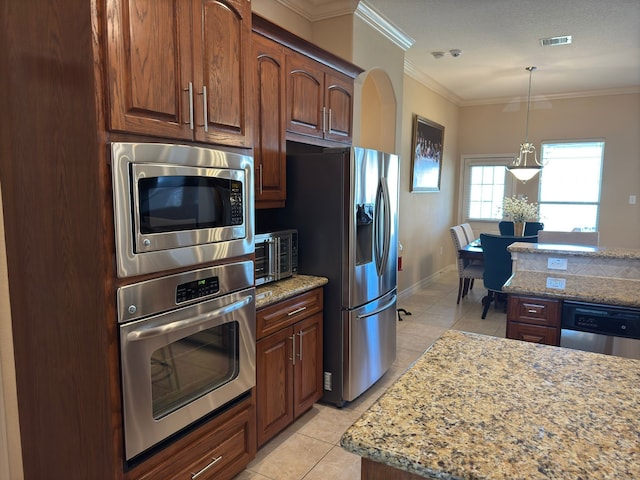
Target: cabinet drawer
536, 311
282, 314
533, 333
221, 451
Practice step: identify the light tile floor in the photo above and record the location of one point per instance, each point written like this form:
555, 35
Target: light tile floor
310, 449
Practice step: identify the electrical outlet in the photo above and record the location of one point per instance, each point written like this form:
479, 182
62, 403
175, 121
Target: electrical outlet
557, 263
327, 381
441, 249
632, 199
556, 283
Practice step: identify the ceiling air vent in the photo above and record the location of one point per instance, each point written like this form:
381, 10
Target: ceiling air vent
564, 40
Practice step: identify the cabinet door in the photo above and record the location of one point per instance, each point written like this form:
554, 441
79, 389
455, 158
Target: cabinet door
221, 53
274, 384
308, 363
149, 66
305, 96
270, 143
339, 105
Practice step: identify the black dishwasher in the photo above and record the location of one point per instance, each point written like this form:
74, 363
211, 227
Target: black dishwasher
608, 329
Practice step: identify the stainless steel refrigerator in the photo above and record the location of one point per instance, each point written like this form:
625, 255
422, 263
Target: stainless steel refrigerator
344, 203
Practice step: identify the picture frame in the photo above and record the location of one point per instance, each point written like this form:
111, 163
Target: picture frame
426, 155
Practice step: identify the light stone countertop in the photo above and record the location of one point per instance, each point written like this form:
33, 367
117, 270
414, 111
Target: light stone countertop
578, 250
608, 291
603, 275
289, 287
479, 407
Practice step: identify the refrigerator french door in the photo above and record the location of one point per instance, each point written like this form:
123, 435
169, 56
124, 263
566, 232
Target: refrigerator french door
344, 203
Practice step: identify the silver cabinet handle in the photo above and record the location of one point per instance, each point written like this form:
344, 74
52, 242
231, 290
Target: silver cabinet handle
190, 90
300, 334
297, 310
204, 108
329, 120
531, 310
211, 464
293, 348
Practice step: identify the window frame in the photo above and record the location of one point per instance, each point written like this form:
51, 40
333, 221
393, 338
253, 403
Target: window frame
468, 161
598, 203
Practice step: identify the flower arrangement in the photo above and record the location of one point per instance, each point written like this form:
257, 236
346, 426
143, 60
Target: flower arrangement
519, 209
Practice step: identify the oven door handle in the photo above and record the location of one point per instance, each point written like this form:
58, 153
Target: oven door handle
149, 332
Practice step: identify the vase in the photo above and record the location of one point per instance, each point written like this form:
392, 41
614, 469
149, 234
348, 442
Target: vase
518, 229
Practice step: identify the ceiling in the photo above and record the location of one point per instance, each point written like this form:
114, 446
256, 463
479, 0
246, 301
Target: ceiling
500, 38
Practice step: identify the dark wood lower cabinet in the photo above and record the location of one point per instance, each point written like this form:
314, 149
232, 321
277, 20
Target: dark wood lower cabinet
371, 470
288, 362
534, 319
218, 450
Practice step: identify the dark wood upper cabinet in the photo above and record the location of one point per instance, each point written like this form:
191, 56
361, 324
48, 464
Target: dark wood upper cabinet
319, 100
269, 133
180, 69
319, 89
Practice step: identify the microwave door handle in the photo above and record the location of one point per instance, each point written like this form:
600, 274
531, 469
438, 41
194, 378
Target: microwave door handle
145, 333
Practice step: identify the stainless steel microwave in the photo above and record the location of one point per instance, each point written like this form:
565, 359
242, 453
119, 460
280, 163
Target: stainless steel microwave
179, 205
276, 255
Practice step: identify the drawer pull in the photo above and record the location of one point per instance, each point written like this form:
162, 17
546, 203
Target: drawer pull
532, 310
213, 462
297, 310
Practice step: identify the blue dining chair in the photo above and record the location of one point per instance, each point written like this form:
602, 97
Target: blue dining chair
506, 227
497, 266
530, 228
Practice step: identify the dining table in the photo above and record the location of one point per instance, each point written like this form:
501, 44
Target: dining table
472, 251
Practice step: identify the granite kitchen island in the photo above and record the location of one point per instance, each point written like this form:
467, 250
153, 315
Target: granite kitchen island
480, 407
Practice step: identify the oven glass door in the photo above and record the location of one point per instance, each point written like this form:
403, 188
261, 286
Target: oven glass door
193, 366
181, 365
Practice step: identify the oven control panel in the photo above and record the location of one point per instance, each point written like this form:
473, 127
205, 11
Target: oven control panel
197, 289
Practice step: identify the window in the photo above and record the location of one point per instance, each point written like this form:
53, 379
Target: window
569, 188
486, 183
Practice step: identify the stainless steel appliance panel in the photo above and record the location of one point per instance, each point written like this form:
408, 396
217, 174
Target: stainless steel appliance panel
370, 344
276, 255
343, 202
607, 344
189, 351
372, 223
137, 253
608, 329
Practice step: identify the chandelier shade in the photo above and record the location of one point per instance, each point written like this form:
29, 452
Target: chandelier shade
519, 167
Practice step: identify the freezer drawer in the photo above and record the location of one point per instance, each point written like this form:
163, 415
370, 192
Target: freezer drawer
370, 344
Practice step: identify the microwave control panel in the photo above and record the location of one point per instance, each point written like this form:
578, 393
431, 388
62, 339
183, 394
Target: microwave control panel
235, 200
197, 289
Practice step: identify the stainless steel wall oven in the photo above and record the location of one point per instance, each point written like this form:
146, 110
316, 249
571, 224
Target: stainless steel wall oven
187, 346
179, 205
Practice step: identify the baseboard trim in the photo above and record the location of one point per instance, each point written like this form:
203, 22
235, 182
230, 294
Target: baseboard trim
425, 281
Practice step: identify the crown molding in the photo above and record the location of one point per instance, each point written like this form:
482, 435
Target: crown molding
314, 10
411, 70
374, 19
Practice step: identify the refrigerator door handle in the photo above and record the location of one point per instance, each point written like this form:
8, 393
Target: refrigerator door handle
382, 251
379, 310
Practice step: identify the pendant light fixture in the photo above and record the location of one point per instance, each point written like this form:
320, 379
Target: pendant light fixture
519, 167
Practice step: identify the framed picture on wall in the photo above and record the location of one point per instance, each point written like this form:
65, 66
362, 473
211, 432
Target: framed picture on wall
426, 155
